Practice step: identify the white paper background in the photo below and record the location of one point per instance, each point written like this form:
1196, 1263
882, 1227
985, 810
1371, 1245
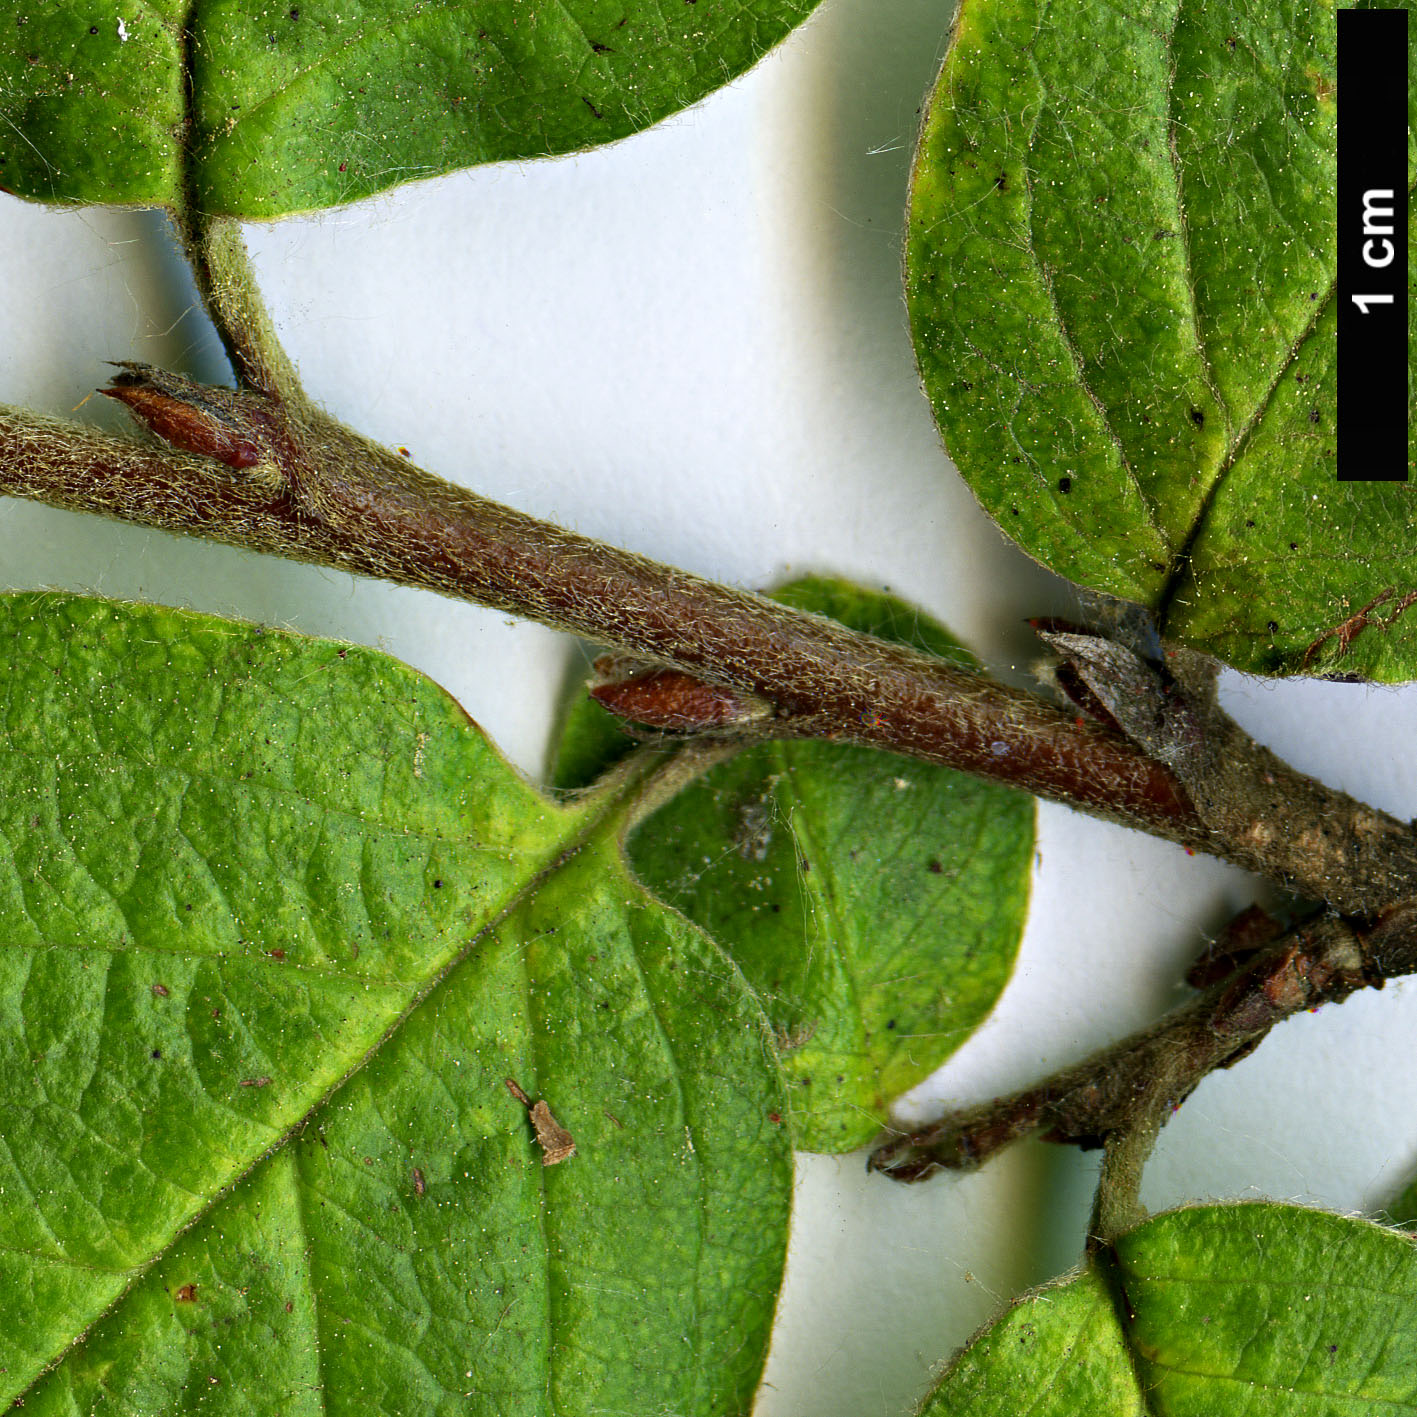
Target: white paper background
693, 344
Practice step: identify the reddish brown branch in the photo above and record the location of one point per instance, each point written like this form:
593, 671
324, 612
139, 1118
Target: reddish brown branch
317, 492
282, 478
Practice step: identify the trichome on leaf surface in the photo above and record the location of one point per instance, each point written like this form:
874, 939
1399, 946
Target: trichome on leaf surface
343, 1070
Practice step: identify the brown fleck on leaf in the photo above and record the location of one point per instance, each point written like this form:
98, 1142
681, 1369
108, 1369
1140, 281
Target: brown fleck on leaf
186, 1294
255, 1082
556, 1142
161, 990
419, 1184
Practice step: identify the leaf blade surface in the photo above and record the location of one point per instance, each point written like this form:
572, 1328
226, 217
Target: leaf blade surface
1121, 282
292, 1093
1263, 1309
259, 111
875, 903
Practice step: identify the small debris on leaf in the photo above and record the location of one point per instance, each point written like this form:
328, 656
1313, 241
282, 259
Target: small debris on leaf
557, 1144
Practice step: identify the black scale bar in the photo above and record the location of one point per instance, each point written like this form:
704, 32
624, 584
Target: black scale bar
1372, 246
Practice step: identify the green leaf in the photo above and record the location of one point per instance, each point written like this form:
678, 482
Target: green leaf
277, 924
297, 106
1058, 1352
1121, 287
1403, 1209
1259, 1309
875, 903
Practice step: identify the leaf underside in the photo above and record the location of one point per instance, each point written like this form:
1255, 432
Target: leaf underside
277, 923
1121, 285
1217, 1311
875, 903
310, 103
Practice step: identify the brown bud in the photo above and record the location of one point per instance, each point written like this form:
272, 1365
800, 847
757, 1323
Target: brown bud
186, 415
674, 701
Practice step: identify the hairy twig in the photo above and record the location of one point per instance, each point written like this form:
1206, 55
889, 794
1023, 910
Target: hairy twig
293, 483
281, 477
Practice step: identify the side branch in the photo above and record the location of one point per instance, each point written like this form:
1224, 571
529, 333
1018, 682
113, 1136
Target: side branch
1142, 1079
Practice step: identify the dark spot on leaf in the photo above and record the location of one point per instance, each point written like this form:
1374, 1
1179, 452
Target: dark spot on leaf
1065, 484
1198, 417
1313, 415
1293, 545
1272, 626
1014, 510
93, 29
601, 48
437, 885
156, 1053
186, 1294
595, 112
1002, 182
295, 14
890, 1023
161, 990
1249, 521
934, 868
1230, 42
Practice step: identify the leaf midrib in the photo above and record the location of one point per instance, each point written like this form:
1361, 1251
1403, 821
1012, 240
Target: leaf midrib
1240, 437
